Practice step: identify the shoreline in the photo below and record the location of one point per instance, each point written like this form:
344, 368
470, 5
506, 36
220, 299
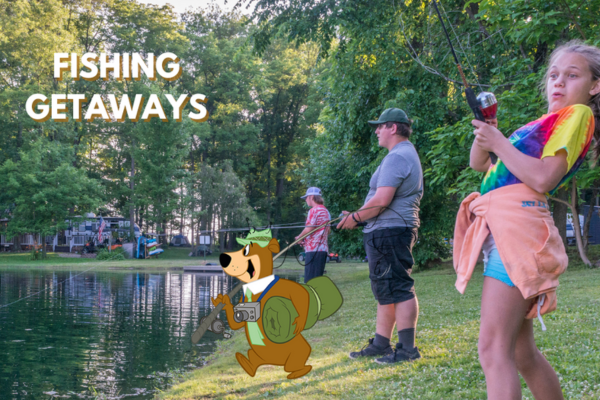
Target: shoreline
447, 337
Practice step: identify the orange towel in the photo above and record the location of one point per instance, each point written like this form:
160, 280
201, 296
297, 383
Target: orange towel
527, 240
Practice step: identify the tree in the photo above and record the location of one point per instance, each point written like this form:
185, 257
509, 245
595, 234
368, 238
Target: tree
43, 189
384, 55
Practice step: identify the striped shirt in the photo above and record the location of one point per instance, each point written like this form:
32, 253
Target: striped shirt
318, 240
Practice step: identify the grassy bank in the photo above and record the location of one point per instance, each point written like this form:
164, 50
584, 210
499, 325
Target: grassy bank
447, 337
172, 258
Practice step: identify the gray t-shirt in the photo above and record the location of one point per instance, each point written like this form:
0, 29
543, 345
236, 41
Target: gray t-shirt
401, 169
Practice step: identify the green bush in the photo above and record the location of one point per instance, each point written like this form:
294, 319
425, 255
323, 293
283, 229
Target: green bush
35, 254
430, 249
114, 255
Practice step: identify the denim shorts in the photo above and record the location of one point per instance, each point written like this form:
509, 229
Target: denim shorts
314, 264
494, 268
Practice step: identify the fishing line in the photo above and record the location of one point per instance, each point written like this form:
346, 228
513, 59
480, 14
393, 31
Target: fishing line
460, 45
415, 56
375, 243
53, 289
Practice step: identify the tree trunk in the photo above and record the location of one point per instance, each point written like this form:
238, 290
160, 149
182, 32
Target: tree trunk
141, 218
192, 196
588, 217
279, 192
34, 243
559, 213
576, 226
269, 183
132, 198
182, 212
17, 243
231, 242
193, 242
43, 247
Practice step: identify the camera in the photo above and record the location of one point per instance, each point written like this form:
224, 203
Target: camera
249, 312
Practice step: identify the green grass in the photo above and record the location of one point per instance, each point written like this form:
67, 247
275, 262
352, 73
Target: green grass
447, 336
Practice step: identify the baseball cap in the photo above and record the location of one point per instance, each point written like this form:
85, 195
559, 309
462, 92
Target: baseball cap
312, 191
391, 115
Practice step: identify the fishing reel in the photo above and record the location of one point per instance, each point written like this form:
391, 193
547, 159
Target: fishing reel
487, 103
217, 326
484, 106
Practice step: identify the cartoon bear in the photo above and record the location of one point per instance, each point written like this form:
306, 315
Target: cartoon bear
253, 265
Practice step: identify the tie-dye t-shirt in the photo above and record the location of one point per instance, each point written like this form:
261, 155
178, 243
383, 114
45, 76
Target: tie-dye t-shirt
570, 128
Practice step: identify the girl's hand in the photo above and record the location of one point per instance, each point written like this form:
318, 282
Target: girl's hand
492, 122
488, 138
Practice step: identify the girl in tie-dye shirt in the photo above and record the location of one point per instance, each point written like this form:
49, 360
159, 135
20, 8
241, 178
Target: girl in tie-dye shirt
570, 129
542, 155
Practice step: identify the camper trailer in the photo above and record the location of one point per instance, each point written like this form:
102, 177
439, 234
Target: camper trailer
71, 240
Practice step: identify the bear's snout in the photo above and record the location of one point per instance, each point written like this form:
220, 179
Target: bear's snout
224, 260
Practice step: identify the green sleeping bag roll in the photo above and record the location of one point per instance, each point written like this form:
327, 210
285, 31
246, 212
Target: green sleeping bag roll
279, 313
278, 316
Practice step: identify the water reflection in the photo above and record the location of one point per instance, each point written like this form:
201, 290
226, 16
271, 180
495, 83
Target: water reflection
113, 334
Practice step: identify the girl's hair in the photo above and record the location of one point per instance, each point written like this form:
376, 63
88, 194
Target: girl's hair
592, 55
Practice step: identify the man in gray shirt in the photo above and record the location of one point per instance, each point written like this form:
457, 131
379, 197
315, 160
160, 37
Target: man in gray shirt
391, 214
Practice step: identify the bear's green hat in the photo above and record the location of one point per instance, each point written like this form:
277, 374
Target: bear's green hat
262, 238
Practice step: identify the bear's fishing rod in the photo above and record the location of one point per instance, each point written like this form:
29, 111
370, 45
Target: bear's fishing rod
471, 98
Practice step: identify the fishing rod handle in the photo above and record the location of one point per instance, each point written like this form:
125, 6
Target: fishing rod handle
212, 316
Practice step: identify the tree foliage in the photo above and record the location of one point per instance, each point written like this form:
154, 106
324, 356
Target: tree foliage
166, 176
383, 54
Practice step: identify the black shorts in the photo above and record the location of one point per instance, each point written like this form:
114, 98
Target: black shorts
389, 251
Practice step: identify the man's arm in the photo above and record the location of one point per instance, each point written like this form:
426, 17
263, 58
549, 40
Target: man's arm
383, 197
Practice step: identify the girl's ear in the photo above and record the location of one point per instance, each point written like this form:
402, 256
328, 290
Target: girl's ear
595, 88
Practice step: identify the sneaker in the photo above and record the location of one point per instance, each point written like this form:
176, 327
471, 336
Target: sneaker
399, 355
370, 350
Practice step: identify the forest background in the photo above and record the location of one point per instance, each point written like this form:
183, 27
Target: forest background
290, 89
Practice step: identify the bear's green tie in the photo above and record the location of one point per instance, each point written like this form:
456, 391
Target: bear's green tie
256, 336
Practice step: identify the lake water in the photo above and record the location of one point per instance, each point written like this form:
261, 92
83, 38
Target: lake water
100, 334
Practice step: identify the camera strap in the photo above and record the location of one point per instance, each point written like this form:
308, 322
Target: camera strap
273, 282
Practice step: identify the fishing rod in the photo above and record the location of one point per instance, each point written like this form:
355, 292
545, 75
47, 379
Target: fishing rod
484, 105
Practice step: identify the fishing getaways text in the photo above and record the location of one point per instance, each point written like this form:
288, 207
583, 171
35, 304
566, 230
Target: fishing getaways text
126, 66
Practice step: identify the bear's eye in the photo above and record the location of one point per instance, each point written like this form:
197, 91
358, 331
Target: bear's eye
246, 249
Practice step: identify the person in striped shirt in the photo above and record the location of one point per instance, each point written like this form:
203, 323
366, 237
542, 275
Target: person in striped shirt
315, 245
